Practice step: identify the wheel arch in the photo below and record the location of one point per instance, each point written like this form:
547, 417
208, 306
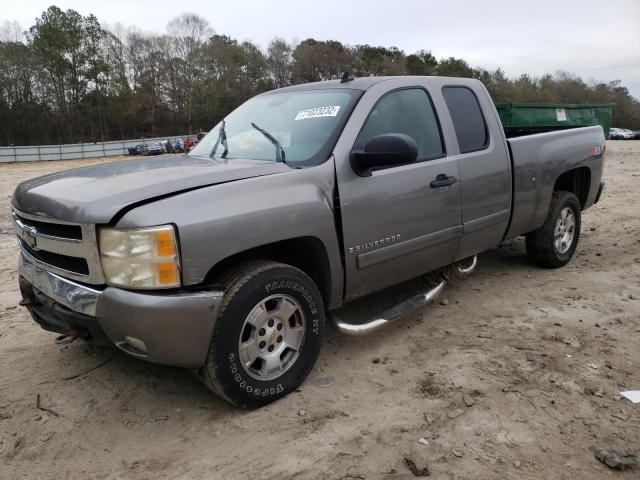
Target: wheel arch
577, 181
306, 253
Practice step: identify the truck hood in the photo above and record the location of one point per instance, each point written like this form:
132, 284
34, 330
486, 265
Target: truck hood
97, 193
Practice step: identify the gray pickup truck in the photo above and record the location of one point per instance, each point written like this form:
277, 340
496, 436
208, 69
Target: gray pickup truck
228, 260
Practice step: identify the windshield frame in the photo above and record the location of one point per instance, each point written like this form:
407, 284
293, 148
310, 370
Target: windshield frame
323, 154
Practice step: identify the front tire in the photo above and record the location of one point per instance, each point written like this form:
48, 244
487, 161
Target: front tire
553, 244
267, 335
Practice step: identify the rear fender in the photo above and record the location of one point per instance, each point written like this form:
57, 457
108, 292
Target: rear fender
539, 161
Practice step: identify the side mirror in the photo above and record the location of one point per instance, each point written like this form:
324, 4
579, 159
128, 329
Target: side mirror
384, 150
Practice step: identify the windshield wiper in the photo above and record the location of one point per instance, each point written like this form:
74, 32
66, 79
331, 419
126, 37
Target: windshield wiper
274, 140
222, 138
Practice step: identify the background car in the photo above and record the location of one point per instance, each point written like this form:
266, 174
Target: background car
153, 149
623, 134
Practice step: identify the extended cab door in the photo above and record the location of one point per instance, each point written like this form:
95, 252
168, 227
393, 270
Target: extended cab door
395, 225
478, 142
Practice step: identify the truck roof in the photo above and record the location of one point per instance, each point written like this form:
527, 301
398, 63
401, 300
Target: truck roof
358, 83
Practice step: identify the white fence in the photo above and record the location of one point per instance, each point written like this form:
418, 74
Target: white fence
77, 151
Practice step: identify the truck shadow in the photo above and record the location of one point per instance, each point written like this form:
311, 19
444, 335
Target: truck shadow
125, 377
508, 258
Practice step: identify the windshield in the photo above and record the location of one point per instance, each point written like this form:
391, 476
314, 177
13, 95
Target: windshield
305, 126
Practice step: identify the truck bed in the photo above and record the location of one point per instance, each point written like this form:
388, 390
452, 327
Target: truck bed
539, 157
515, 132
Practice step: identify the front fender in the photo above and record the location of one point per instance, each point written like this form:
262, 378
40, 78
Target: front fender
219, 221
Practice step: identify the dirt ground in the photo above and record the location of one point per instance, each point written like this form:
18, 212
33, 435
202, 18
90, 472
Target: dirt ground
541, 356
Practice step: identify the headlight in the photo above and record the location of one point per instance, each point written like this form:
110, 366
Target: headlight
141, 257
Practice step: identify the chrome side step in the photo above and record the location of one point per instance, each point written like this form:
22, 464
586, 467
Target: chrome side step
388, 316
396, 312
470, 268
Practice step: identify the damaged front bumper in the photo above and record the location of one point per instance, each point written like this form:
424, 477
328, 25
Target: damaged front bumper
161, 327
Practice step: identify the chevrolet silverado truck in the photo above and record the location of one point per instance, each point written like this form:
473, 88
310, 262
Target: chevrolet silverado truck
229, 260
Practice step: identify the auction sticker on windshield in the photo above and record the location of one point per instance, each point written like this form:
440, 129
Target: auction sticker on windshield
330, 111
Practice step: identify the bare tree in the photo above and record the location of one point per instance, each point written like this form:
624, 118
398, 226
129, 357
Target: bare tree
11, 32
189, 31
279, 61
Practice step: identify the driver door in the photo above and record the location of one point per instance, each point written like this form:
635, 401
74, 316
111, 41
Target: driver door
396, 225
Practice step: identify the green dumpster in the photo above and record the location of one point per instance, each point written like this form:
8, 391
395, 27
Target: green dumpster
527, 118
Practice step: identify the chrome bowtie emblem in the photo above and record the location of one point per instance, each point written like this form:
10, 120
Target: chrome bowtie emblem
30, 238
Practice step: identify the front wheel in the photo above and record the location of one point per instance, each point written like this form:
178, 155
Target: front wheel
267, 335
555, 242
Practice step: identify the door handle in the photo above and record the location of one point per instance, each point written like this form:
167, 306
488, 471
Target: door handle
443, 180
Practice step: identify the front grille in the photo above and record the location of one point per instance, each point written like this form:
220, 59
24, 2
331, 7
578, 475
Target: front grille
64, 248
64, 262
60, 230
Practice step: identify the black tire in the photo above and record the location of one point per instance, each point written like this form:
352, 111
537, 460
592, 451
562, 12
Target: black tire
245, 287
541, 245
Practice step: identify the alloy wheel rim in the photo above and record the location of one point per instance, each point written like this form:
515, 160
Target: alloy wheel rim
271, 337
565, 230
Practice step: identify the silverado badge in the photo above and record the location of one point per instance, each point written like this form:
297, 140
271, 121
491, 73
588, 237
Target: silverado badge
373, 244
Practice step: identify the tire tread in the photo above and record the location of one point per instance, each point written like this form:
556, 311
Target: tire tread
537, 242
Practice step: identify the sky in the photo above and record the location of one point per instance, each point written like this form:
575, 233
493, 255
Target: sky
594, 39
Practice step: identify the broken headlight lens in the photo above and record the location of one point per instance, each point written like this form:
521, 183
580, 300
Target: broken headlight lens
143, 258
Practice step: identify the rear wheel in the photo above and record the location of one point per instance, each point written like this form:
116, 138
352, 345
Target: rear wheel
267, 335
555, 242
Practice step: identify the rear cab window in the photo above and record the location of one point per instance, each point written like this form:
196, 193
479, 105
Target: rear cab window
408, 111
468, 120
